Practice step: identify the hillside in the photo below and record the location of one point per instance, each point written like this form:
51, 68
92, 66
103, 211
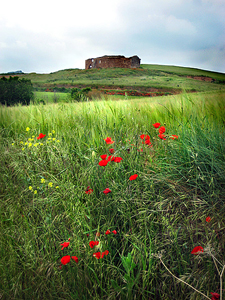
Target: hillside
148, 78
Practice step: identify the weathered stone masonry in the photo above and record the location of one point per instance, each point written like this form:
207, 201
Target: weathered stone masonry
113, 62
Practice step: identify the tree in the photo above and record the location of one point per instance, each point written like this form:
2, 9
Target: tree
15, 90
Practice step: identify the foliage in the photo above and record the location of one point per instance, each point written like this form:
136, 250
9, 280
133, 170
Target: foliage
15, 90
52, 189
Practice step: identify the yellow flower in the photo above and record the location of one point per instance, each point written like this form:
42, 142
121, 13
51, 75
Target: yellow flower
33, 136
42, 180
50, 134
30, 144
12, 144
50, 184
49, 139
25, 144
36, 144
22, 149
54, 139
30, 188
57, 187
35, 192
27, 129
21, 143
53, 131
29, 139
41, 144
58, 141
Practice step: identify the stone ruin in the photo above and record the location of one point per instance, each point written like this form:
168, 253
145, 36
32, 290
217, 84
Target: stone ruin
118, 61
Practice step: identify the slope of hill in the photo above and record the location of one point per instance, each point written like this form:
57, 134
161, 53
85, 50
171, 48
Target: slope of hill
147, 78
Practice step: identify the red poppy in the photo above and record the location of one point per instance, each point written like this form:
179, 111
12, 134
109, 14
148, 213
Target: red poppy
208, 219
162, 129
156, 125
97, 255
162, 136
41, 136
114, 231
133, 177
103, 163
93, 243
103, 156
197, 250
87, 234
106, 191
106, 252
147, 142
75, 259
111, 150
117, 159
142, 136
107, 232
65, 259
108, 140
174, 136
111, 158
215, 296
88, 190
65, 245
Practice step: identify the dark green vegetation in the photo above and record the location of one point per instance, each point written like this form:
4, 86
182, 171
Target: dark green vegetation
180, 183
15, 90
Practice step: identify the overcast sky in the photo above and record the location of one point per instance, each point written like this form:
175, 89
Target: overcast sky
45, 36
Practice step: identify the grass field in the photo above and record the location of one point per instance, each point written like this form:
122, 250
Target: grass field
52, 191
172, 79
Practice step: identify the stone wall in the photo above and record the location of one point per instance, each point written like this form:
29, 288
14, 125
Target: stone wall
112, 62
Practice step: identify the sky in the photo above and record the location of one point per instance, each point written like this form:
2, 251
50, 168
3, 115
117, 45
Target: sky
46, 36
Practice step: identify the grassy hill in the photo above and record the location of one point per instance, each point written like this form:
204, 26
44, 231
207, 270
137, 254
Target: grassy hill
147, 78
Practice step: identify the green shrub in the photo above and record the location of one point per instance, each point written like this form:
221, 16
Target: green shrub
15, 90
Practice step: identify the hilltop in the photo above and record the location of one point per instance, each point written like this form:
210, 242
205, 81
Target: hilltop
149, 78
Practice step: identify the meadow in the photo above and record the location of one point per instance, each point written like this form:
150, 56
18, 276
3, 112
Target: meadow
91, 208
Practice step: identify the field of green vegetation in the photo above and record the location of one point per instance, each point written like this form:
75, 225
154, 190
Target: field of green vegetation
72, 228
170, 79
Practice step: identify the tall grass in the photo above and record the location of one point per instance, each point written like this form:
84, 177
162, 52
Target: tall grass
180, 183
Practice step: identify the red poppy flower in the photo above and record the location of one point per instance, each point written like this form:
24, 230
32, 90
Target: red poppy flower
106, 191
117, 159
162, 136
65, 245
147, 142
97, 255
215, 296
197, 250
75, 259
174, 136
106, 252
133, 177
87, 234
111, 158
111, 150
114, 231
103, 156
41, 136
65, 259
162, 129
142, 136
208, 219
108, 140
88, 190
156, 125
107, 232
103, 163
93, 243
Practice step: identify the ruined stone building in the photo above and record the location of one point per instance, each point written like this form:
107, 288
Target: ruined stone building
118, 61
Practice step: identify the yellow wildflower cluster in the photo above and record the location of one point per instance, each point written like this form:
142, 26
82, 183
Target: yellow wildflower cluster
50, 185
31, 141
